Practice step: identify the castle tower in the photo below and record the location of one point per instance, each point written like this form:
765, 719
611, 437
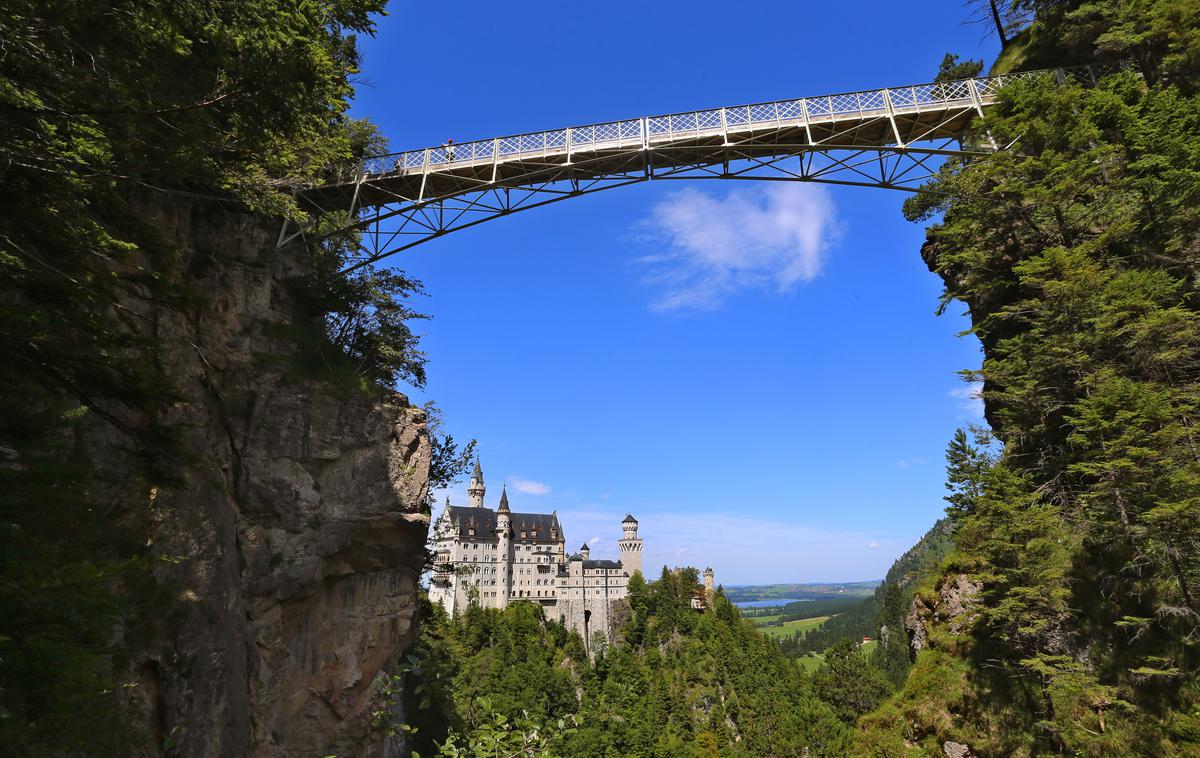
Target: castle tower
476, 490
556, 536
709, 590
504, 557
630, 545
585, 552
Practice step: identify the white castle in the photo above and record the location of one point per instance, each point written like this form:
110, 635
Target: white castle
493, 558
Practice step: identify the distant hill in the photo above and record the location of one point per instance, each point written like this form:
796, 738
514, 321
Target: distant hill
751, 593
864, 607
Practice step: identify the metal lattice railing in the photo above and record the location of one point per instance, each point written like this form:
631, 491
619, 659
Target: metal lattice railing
647, 131
892, 138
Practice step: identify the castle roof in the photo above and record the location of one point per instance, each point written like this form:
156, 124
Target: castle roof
601, 565
629, 519
503, 501
483, 521
476, 478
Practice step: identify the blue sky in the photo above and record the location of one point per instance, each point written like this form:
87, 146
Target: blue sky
753, 370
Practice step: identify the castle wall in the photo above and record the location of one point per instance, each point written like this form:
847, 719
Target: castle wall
500, 566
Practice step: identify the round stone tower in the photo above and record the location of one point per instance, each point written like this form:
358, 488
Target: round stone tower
504, 551
709, 589
630, 545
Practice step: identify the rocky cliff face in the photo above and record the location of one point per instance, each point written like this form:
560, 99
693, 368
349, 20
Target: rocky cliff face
290, 544
953, 607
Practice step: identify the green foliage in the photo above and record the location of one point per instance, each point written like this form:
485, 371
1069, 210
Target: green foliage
895, 597
367, 318
120, 120
880, 616
498, 736
966, 469
1075, 253
849, 682
682, 682
951, 68
448, 462
462, 673
852, 622
676, 682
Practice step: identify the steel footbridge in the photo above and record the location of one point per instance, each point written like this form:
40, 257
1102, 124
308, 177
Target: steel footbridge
893, 138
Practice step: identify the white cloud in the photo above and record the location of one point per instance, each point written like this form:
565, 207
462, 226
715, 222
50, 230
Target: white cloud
970, 399
528, 486
769, 237
873, 546
906, 463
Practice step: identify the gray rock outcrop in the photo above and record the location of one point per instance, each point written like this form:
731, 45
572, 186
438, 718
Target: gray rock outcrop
957, 594
291, 541
955, 750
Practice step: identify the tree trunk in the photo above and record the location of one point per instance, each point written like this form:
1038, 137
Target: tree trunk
999, 24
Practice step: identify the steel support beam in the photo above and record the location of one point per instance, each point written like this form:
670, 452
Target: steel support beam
891, 138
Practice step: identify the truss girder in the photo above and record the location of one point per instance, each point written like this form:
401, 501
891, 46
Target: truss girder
890, 138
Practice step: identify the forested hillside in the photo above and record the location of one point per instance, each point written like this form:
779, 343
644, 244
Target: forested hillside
880, 615
676, 682
1067, 621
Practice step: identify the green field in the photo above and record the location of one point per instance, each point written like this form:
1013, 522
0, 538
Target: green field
813, 661
790, 627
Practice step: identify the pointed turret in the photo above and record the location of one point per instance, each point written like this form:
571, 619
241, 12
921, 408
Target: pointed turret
476, 490
585, 552
503, 548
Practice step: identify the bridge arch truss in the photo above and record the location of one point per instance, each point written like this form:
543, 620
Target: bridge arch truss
892, 138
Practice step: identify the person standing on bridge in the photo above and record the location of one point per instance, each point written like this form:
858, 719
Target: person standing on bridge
449, 147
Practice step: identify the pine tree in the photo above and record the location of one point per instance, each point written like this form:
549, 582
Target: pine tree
966, 468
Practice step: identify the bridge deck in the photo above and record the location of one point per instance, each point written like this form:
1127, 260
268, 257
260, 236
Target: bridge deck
878, 138
873, 119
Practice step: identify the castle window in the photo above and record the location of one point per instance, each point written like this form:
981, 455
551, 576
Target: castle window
522, 535
470, 532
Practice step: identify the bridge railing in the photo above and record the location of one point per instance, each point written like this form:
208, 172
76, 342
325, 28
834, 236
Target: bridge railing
643, 132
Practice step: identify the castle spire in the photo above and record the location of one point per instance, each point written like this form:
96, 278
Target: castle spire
503, 500
476, 490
